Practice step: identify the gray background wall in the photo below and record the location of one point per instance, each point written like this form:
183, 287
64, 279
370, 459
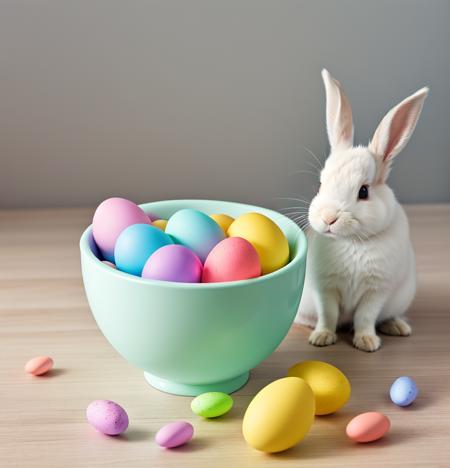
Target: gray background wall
217, 99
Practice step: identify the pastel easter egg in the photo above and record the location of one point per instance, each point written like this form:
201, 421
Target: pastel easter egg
110, 264
195, 230
173, 263
223, 220
93, 246
160, 224
39, 365
212, 404
232, 259
280, 415
107, 417
111, 217
330, 386
403, 391
174, 434
367, 427
265, 236
135, 245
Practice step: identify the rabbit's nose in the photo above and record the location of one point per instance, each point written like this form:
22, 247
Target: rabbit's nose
329, 217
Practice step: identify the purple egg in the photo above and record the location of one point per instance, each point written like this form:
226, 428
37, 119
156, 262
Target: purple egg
173, 263
107, 417
174, 434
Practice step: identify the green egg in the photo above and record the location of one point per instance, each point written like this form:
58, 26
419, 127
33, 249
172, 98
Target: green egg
212, 404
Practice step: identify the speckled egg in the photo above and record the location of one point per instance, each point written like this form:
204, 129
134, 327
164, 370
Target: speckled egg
107, 417
265, 236
232, 259
111, 217
173, 263
135, 245
195, 230
403, 391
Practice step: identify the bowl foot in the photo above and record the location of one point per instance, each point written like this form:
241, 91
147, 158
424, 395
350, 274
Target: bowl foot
168, 386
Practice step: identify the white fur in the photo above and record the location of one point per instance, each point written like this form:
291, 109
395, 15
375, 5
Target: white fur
361, 265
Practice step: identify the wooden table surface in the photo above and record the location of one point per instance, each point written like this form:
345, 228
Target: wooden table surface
43, 310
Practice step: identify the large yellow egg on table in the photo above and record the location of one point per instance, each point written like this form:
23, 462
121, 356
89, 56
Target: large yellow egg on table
279, 416
223, 220
267, 238
330, 386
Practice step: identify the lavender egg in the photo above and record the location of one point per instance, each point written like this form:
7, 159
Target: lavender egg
174, 434
173, 263
107, 417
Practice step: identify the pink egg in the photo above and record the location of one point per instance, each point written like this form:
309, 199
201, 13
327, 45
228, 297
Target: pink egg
107, 417
39, 365
232, 259
109, 264
174, 434
367, 427
110, 218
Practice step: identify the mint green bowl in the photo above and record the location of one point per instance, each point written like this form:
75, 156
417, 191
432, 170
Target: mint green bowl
193, 338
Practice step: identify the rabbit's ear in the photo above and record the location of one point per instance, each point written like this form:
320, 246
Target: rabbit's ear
339, 114
395, 130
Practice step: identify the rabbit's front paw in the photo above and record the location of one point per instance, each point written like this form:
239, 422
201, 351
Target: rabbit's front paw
395, 327
322, 338
368, 343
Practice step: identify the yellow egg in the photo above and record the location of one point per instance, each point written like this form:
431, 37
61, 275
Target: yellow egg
279, 416
330, 386
160, 224
267, 238
222, 220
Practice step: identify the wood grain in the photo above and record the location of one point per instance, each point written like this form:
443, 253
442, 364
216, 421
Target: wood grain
43, 310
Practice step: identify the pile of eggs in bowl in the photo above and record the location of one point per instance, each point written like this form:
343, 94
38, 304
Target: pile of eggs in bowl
189, 247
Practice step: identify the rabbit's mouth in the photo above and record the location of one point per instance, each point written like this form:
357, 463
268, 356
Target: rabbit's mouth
329, 233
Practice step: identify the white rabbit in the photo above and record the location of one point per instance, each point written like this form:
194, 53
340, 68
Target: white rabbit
361, 265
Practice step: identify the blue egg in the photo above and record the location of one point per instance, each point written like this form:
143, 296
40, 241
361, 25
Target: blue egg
404, 391
195, 230
135, 245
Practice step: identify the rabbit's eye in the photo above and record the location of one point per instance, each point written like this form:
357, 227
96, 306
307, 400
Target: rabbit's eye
363, 193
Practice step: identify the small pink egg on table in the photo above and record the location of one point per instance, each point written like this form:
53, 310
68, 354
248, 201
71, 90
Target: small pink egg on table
39, 365
367, 427
232, 259
174, 434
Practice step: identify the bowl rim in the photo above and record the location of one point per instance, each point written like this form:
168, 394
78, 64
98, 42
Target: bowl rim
298, 258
